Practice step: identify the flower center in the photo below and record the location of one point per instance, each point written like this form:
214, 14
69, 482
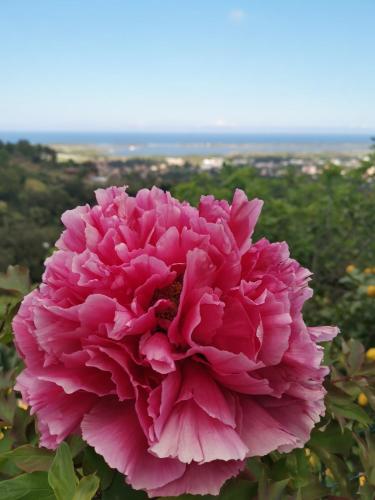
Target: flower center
171, 292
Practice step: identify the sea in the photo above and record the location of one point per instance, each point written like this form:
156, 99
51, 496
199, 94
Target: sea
139, 144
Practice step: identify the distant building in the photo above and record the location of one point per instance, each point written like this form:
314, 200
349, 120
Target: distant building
310, 169
212, 163
175, 162
99, 179
352, 163
296, 161
239, 162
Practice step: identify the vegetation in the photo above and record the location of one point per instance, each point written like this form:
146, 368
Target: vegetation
35, 190
328, 221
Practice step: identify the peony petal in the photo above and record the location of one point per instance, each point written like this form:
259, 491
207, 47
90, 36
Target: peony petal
201, 479
192, 435
119, 375
197, 384
78, 379
243, 217
126, 450
58, 414
261, 432
323, 333
162, 400
24, 333
297, 417
199, 274
276, 329
97, 310
213, 210
203, 319
73, 238
238, 331
158, 352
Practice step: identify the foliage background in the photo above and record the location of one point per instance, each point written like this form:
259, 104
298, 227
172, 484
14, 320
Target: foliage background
328, 221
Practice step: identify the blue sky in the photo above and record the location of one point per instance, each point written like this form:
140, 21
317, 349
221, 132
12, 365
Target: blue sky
119, 65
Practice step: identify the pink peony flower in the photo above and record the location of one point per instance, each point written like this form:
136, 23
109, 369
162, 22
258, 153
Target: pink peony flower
174, 345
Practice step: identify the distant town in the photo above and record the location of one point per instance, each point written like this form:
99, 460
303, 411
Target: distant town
106, 168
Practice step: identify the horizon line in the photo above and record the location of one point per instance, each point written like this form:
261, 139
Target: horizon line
269, 130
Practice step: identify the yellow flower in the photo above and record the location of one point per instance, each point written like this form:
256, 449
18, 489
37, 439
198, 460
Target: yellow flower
370, 354
21, 404
350, 268
1, 435
329, 473
371, 290
368, 270
362, 480
362, 399
307, 452
313, 461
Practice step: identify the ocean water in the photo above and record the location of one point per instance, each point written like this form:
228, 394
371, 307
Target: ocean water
206, 144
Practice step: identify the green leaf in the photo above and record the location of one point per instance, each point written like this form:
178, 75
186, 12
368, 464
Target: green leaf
370, 393
313, 491
255, 467
338, 468
268, 490
87, 487
7, 441
277, 489
61, 476
8, 405
332, 439
11, 308
92, 462
337, 396
15, 281
76, 445
371, 477
350, 411
33, 486
21, 421
299, 468
356, 355
29, 458
119, 490
235, 489
279, 469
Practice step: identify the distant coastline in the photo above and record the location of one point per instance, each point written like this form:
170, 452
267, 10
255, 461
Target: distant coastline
139, 144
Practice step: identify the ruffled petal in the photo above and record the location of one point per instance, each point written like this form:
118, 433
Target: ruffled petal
261, 432
58, 414
113, 429
201, 479
192, 435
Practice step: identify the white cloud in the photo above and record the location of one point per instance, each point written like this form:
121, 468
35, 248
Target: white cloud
237, 15
221, 123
